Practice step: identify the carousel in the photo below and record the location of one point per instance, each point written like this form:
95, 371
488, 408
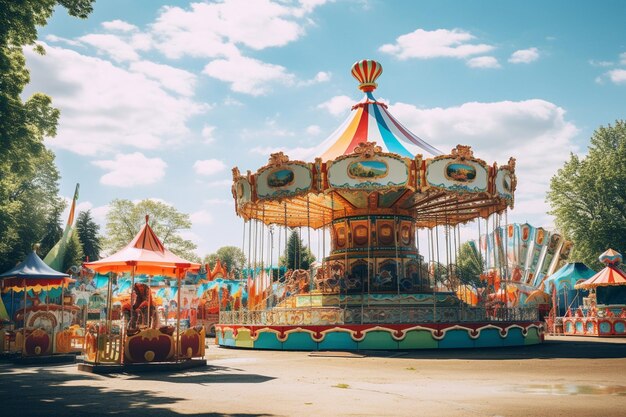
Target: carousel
603, 311
138, 335
388, 222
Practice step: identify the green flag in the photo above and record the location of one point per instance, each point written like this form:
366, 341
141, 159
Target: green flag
54, 258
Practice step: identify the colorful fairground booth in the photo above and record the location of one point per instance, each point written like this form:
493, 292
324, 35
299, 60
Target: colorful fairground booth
603, 312
141, 336
40, 311
382, 206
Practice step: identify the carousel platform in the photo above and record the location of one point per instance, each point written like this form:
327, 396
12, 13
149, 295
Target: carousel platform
141, 367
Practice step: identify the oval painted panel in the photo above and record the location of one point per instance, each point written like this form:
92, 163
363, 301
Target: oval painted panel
459, 172
605, 327
360, 235
368, 169
506, 182
280, 178
619, 327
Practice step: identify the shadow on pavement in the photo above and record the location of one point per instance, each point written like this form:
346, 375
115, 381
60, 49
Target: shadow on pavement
51, 391
206, 375
551, 349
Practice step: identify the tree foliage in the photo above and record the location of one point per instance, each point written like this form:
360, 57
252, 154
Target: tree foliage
88, 231
74, 255
232, 257
588, 196
469, 265
296, 256
126, 218
28, 176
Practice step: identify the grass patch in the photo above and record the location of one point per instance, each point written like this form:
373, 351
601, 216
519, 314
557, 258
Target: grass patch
344, 386
308, 403
410, 369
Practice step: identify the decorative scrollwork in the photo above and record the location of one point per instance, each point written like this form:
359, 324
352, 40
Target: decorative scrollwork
367, 149
462, 152
278, 159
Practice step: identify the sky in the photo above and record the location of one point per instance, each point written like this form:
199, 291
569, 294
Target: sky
160, 99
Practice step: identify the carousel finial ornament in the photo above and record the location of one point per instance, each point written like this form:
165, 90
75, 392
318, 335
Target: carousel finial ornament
610, 257
366, 73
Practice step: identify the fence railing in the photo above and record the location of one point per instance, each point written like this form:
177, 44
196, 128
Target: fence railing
376, 315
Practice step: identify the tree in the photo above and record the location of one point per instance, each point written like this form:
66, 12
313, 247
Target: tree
53, 229
469, 265
588, 196
126, 218
296, 256
74, 255
28, 176
232, 257
88, 235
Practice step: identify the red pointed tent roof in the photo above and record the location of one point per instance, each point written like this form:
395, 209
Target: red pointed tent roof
609, 276
147, 254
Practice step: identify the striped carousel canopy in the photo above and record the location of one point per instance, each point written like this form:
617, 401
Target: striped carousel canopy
370, 121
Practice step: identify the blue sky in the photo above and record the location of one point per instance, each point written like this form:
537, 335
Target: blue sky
159, 99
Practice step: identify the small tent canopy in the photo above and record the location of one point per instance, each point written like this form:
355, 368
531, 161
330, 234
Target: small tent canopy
568, 276
611, 275
33, 273
145, 254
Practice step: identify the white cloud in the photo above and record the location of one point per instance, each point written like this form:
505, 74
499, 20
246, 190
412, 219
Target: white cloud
483, 62
524, 56
313, 130
112, 45
201, 217
216, 201
208, 166
535, 132
119, 25
424, 44
594, 63
248, 75
129, 170
622, 58
338, 105
104, 107
320, 77
214, 29
207, 134
271, 129
174, 79
58, 39
220, 183
617, 76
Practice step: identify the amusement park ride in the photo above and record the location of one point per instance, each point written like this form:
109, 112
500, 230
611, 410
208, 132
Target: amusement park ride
369, 192
372, 191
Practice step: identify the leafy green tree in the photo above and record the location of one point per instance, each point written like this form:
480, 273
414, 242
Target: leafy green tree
88, 235
469, 265
74, 255
125, 219
231, 257
588, 196
296, 256
28, 176
53, 229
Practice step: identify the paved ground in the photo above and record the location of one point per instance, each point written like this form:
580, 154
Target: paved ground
563, 377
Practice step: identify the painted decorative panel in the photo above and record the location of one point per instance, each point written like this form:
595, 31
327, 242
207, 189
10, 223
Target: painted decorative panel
283, 180
457, 175
243, 191
504, 183
368, 173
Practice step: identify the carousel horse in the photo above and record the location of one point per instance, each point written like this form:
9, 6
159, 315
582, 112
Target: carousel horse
296, 281
326, 283
141, 304
382, 279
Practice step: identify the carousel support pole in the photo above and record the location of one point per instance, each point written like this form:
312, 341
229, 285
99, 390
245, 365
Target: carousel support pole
150, 323
24, 319
178, 280
132, 288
